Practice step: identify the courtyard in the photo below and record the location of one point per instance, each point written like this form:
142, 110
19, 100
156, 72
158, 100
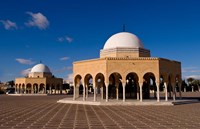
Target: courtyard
43, 112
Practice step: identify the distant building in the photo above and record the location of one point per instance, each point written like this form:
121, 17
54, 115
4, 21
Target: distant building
39, 81
126, 69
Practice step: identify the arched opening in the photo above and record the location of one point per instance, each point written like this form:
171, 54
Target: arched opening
170, 87
23, 89
101, 90
88, 80
58, 89
16, 86
53, 88
162, 87
113, 87
42, 88
35, 88
19, 89
149, 84
78, 85
47, 88
28, 88
132, 85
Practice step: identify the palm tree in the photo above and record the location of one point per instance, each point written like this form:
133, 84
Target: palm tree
190, 82
196, 83
184, 86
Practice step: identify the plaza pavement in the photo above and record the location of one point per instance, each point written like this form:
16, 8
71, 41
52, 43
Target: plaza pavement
43, 112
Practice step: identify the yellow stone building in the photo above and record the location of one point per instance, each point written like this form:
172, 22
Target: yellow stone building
126, 70
39, 81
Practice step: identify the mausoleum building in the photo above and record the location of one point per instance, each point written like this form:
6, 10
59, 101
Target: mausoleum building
39, 81
126, 70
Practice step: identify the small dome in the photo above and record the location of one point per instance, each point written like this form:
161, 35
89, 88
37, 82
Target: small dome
123, 40
40, 68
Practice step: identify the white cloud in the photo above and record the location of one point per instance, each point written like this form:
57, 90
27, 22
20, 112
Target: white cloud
65, 38
8, 25
193, 76
69, 39
191, 70
64, 58
69, 78
61, 39
38, 20
25, 61
62, 70
25, 72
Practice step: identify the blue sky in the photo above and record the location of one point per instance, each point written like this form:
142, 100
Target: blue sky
58, 32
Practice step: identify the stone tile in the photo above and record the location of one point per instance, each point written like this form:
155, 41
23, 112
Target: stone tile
43, 112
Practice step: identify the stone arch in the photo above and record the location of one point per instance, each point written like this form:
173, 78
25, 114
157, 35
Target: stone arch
77, 80
149, 83
16, 87
100, 84
48, 88
35, 88
42, 88
170, 82
88, 82
164, 76
113, 87
53, 88
58, 88
163, 80
178, 82
23, 88
19, 88
77, 83
29, 88
170, 86
132, 86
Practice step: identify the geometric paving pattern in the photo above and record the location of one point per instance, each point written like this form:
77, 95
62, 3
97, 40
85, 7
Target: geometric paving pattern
42, 112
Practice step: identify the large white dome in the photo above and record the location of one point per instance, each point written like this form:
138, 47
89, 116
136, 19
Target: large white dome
123, 40
40, 68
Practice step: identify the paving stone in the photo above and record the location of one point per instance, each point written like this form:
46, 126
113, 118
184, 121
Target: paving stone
44, 113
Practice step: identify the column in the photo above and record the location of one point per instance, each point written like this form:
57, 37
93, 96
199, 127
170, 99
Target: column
180, 92
86, 91
158, 91
141, 84
77, 91
61, 87
15, 89
106, 92
74, 96
45, 89
117, 92
124, 92
166, 93
170, 89
173, 88
83, 92
50, 90
55, 87
32, 90
25, 89
101, 92
138, 94
95, 92
154, 90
